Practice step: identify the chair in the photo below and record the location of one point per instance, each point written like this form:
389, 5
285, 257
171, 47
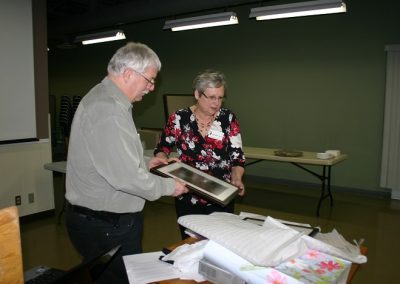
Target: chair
149, 136
11, 268
174, 102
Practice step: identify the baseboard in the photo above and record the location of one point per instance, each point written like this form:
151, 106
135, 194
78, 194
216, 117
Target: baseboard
36, 216
382, 193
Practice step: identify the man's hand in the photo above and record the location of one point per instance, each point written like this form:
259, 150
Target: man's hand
180, 188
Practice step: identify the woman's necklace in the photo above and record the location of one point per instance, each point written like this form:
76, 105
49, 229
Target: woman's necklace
203, 125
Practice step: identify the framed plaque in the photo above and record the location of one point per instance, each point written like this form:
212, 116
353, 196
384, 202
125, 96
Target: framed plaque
203, 184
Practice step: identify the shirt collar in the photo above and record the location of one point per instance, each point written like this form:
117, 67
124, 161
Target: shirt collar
117, 94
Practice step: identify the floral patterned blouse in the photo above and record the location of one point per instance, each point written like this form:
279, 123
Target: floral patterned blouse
215, 153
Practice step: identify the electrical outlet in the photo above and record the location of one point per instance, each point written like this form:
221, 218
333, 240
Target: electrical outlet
31, 197
18, 200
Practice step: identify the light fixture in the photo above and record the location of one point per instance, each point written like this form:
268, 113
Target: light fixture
220, 19
100, 37
298, 9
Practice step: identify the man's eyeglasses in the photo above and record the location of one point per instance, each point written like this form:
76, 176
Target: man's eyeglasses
152, 81
213, 98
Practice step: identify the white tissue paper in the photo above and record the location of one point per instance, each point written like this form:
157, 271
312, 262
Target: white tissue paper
240, 267
186, 260
334, 244
330, 243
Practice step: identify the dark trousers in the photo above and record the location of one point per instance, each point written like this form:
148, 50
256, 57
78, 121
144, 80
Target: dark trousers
91, 236
184, 206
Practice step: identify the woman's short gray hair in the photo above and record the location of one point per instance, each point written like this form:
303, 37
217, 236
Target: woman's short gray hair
209, 79
134, 55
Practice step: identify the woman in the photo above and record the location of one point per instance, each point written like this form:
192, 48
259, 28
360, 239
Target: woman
207, 137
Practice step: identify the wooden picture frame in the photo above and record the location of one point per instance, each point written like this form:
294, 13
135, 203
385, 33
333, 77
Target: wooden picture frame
203, 184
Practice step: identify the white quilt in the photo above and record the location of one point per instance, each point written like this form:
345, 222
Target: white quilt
267, 245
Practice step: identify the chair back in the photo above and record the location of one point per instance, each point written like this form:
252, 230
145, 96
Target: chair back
11, 267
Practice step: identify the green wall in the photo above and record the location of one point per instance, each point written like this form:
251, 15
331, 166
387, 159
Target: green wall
311, 83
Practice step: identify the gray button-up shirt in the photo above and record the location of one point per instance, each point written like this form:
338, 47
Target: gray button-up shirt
106, 169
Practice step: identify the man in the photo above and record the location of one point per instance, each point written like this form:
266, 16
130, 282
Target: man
107, 178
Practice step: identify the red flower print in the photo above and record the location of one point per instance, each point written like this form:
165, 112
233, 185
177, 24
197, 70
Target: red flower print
166, 150
171, 119
319, 271
176, 132
218, 144
330, 265
235, 128
202, 201
205, 153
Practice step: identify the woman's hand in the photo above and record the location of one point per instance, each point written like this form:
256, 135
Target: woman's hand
173, 160
236, 179
240, 185
161, 159
156, 161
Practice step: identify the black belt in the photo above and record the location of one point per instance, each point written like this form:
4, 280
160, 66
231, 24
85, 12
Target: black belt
109, 217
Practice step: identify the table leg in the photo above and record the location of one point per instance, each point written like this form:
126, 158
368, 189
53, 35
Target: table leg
253, 162
325, 183
325, 179
64, 202
325, 186
61, 212
329, 184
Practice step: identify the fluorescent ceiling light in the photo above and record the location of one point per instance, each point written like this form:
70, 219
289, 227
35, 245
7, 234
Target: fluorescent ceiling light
220, 19
100, 37
298, 9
